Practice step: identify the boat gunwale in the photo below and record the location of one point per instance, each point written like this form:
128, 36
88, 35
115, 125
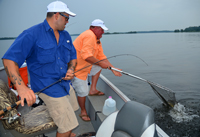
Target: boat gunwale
1, 68
115, 89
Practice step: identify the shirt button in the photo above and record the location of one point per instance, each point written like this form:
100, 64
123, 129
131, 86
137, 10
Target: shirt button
60, 67
58, 57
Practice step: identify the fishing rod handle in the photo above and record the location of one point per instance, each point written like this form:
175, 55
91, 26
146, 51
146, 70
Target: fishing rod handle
1, 112
10, 107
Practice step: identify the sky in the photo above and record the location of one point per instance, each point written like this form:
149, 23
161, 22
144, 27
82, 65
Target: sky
118, 15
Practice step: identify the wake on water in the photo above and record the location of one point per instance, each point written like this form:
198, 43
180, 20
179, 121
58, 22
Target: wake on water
181, 114
180, 121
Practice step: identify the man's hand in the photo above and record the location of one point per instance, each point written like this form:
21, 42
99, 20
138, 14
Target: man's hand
69, 75
116, 73
28, 94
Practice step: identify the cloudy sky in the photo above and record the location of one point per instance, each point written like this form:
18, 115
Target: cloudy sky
118, 15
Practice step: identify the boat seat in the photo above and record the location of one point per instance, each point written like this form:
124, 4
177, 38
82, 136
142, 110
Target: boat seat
133, 120
33, 121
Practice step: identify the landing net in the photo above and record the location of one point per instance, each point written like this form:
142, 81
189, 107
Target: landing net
165, 94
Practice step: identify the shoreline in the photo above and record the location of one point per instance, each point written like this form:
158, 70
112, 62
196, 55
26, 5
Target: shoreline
113, 33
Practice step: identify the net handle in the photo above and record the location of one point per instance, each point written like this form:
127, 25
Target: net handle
126, 73
150, 83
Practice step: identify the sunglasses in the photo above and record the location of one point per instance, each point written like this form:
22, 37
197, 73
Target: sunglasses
66, 17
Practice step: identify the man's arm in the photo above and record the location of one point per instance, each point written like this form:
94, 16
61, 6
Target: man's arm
12, 70
72, 64
70, 72
92, 60
103, 64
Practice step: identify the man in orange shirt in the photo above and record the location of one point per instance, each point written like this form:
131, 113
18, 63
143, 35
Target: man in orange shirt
89, 50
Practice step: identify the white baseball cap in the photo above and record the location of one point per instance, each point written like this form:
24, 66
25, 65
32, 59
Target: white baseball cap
100, 23
59, 6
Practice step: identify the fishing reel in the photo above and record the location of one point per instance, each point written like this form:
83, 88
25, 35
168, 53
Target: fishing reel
11, 119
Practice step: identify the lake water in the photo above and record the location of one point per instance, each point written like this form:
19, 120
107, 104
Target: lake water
173, 61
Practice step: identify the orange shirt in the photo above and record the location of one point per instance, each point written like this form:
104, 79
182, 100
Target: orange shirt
86, 46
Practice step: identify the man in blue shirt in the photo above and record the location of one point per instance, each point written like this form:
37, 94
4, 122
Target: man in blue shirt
50, 55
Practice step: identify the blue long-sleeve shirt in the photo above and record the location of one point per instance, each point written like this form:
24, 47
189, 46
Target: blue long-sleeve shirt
46, 60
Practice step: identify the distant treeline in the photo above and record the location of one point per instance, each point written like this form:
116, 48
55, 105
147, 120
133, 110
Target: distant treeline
134, 32
7, 38
189, 29
130, 32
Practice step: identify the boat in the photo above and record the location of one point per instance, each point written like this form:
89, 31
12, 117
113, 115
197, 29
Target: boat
130, 118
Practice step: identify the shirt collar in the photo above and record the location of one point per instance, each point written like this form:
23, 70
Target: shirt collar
46, 25
93, 33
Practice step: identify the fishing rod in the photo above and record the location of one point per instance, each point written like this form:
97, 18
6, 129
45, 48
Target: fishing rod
89, 66
160, 91
112, 57
37, 93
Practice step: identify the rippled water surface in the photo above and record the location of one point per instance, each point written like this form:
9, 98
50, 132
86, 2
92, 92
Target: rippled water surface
173, 61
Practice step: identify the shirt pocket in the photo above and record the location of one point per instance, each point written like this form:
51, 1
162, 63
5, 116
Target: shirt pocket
45, 52
66, 52
95, 50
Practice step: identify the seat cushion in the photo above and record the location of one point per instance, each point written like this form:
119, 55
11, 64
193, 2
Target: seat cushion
37, 119
134, 118
120, 134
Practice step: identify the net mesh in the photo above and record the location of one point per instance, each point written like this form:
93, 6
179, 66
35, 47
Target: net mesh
165, 94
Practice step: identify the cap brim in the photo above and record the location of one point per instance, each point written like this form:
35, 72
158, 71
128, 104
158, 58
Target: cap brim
70, 13
104, 27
